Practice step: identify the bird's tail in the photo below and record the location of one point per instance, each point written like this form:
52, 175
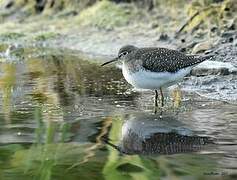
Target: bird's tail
206, 57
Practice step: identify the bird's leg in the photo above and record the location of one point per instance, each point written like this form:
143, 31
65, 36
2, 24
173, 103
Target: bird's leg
156, 103
156, 98
162, 97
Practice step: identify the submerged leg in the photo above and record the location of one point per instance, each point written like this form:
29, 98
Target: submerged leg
162, 97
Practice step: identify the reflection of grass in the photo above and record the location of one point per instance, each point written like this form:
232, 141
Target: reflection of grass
47, 130
7, 82
40, 125
44, 162
46, 159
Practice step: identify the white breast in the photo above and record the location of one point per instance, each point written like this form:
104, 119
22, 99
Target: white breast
143, 79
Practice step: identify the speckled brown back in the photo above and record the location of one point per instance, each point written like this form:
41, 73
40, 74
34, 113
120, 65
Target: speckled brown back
165, 60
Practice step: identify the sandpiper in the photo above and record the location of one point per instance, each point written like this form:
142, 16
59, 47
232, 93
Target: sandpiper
154, 68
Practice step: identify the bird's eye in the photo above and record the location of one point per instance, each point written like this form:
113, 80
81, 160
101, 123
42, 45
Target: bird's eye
123, 54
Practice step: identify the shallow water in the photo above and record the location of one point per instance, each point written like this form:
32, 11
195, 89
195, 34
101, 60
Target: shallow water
64, 117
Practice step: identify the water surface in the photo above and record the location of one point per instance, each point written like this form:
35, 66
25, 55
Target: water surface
58, 110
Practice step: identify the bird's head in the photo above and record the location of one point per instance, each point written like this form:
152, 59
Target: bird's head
123, 53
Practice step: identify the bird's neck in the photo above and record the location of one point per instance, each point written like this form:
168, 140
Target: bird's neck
132, 65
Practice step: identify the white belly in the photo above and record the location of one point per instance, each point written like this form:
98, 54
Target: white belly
152, 80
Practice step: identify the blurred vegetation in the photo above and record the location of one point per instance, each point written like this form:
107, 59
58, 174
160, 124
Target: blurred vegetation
212, 15
106, 14
109, 14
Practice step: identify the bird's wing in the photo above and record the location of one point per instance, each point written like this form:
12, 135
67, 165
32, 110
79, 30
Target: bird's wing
166, 60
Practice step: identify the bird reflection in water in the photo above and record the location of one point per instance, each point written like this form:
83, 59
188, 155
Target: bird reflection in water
148, 134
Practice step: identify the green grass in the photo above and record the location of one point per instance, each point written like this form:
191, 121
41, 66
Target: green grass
43, 36
105, 14
11, 36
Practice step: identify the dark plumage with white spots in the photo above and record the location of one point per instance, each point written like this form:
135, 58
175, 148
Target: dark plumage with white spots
166, 60
160, 59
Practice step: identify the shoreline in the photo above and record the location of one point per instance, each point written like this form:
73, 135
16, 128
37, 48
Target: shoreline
101, 39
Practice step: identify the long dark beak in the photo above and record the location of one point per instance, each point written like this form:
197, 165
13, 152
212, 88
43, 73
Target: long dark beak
113, 60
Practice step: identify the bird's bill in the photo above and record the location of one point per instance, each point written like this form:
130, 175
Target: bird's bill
113, 60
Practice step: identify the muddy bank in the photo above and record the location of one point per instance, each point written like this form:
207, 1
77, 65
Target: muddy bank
215, 79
